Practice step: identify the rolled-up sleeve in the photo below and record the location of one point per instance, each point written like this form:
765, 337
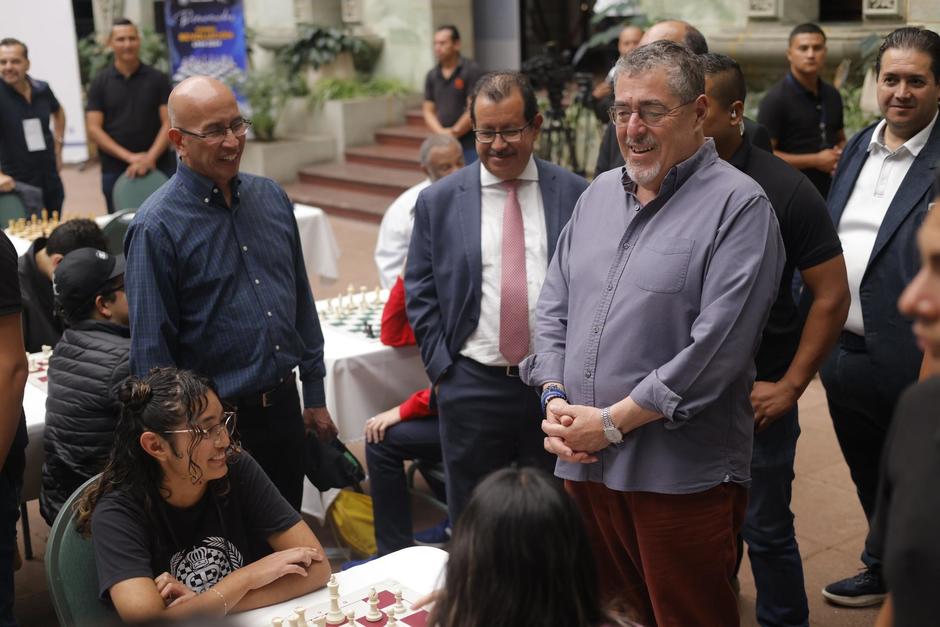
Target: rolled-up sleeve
739, 288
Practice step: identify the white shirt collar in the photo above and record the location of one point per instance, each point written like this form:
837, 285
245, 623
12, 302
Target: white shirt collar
914, 145
531, 173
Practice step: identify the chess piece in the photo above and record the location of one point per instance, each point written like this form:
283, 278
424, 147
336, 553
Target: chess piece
46, 351
334, 616
277, 621
392, 620
351, 616
294, 621
399, 607
55, 217
378, 294
301, 613
373, 615
362, 296
320, 621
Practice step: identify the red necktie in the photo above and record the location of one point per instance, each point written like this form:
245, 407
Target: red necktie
514, 291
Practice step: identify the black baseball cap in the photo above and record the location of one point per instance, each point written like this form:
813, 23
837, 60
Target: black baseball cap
82, 275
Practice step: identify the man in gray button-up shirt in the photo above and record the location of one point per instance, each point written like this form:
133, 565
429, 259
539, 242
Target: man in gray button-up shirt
648, 323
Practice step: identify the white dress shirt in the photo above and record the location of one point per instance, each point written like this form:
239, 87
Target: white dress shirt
483, 343
395, 234
877, 183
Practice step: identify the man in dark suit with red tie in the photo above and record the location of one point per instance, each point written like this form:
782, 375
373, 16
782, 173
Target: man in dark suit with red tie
481, 244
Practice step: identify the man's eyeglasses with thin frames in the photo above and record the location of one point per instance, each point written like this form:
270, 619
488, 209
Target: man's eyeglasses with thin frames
239, 128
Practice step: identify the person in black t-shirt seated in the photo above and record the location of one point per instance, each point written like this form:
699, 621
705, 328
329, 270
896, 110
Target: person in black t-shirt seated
520, 556
183, 522
36, 266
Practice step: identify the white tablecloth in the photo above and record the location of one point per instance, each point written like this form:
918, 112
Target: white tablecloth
363, 378
419, 568
321, 252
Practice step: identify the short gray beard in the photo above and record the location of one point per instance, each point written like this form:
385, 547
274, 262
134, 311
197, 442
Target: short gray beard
643, 176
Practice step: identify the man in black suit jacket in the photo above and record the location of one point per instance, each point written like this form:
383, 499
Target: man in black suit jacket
482, 240
879, 196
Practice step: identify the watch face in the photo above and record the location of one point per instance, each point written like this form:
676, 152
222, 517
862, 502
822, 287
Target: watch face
613, 435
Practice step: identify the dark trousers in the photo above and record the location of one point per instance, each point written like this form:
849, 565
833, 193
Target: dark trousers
861, 413
414, 439
668, 558
768, 527
53, 194
488, 421
166, 164
274, 436
11, 483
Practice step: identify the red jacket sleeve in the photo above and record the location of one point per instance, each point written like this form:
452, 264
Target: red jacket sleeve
395, 328
418, 405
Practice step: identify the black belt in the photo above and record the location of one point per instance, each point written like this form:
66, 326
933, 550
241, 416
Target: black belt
506, 371
852, 342
266, 398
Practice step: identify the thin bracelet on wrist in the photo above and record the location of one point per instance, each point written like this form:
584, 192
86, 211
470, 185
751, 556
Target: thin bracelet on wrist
224, 602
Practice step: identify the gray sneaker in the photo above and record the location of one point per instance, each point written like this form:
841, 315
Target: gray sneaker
864, 589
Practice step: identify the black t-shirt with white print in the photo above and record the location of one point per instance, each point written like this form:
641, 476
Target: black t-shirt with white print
198, 545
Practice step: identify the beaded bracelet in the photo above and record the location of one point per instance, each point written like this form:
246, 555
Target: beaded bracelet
224, 602
552, 393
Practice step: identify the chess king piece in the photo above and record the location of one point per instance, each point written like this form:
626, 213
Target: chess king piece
373, 615
334, 616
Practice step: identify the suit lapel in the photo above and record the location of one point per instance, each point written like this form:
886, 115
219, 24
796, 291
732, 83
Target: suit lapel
914, 187
548, 185
839, 195
468, 205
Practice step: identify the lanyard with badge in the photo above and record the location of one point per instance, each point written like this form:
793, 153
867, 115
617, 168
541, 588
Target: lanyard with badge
32, 131
820, 109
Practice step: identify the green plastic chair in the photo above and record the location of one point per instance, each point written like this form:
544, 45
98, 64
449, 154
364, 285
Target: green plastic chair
71, 572
131, 193
11, 208
115, 230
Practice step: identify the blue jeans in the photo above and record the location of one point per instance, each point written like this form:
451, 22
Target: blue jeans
418, 438
9, 512
768, 527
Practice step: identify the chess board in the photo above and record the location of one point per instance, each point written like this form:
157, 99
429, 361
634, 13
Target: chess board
359, 601
356, 313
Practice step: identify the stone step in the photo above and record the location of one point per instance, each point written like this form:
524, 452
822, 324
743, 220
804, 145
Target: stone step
414, 117
370, 179
407, 135
387, 155
340, 202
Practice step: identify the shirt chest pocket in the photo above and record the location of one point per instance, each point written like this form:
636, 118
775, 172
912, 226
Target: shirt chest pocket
660, 264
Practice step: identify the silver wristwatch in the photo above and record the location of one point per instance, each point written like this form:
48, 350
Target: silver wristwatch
612, 433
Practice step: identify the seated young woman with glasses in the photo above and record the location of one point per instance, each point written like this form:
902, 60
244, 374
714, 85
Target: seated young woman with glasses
183, 523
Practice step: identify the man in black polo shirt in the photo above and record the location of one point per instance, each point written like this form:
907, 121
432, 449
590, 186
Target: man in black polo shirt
446, 88
29, 151
126, 115
790, 353
804, 113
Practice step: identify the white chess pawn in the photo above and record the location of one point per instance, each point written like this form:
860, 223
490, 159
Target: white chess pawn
392, 621
373, 615
399, 606
351, 616
301, 613
294, 621
320, 621
277, 621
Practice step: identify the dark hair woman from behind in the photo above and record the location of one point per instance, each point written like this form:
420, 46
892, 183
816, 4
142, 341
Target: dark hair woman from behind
182, 522
520, 557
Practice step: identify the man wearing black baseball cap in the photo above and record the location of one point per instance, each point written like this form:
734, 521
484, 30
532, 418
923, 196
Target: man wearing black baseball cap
92, 356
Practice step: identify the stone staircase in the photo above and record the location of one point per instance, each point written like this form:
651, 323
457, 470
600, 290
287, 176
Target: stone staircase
368, 178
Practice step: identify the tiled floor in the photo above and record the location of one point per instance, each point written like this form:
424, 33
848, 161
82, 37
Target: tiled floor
829, 521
